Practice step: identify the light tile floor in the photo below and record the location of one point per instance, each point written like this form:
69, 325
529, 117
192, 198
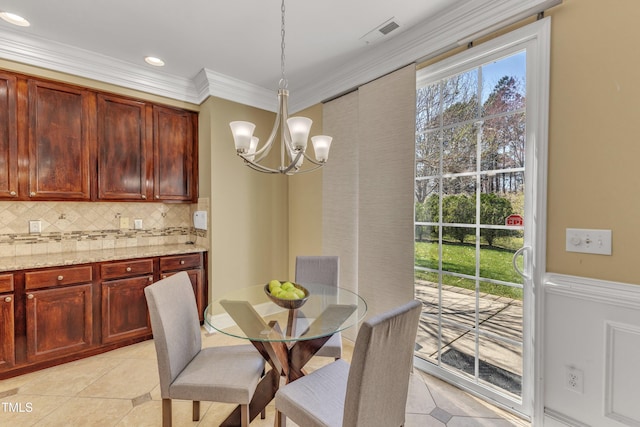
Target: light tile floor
120, 388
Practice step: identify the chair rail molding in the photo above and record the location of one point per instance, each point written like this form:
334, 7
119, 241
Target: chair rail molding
615, 293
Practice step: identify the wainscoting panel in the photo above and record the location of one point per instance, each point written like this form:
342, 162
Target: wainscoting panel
591, 351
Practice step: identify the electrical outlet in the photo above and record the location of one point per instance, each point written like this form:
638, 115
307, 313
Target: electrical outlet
574, 380
35, 226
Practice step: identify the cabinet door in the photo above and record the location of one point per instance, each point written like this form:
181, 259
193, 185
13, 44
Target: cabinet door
195, 276
7, 338
124, 309
59, 321
8, 138
124, 149
59, 141
174, 156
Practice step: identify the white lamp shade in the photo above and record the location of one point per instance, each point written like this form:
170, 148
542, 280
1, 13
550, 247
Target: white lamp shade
252, 147
321, 145
299, 128
242, 133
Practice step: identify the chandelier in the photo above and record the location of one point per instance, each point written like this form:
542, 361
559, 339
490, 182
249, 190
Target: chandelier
294, 133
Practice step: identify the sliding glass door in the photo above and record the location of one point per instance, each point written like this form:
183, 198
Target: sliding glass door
479, 148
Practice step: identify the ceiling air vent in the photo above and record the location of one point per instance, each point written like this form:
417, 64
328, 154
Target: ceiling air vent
389, 27
380, 31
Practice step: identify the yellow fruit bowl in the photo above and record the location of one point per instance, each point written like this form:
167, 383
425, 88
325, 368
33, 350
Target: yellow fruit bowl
288, 301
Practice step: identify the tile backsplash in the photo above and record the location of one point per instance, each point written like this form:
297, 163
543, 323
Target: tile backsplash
78, 226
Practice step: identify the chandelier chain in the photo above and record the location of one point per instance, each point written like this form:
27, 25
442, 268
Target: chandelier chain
283, 80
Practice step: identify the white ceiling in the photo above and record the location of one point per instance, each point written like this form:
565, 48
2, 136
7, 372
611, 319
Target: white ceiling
232, 48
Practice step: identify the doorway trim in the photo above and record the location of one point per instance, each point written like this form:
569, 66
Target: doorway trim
535, 39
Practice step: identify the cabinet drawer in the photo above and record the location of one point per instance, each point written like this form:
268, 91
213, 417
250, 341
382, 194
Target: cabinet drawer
6, 283
180, 262
57, 277
132, 268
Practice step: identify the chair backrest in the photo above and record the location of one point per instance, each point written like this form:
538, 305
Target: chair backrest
175, 325
323, 270
381, 365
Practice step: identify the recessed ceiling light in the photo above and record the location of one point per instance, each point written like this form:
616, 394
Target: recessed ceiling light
152, 60
14, 19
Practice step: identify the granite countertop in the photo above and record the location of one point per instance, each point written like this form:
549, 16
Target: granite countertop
85, 257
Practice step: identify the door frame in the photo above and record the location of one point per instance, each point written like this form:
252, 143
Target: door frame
535, 38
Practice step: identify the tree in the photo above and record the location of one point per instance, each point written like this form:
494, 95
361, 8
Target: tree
458, 209
503, 135
494, 210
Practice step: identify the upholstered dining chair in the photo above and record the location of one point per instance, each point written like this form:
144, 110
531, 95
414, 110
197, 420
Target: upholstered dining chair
372, 391
324, 270
187, 371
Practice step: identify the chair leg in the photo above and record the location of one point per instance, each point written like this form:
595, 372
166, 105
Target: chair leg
280, 420
244, 415
196, 410
166, 412
263, 414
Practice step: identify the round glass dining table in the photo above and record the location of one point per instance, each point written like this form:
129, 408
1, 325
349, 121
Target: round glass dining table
249, 313
286, 338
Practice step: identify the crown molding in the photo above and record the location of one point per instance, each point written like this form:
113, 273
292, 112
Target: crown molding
60, 57
210, 83
452, 28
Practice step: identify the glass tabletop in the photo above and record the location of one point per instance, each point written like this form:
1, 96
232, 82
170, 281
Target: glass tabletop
249, 313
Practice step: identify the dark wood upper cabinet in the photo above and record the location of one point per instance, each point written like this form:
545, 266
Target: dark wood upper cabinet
65, 142
8, 137
124, 149
59, 141
174, 154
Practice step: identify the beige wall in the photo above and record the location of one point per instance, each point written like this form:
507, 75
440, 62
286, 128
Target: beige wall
305, 203
593, 179
249, 210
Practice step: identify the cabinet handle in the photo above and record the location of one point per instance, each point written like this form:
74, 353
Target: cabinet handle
181, 262
150, 279
164, 276
32, 194
7, 299
60, 277
157, 196
128, 269
13, 193
29, 296
144, 197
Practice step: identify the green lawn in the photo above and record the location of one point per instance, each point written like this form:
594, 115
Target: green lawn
495, 263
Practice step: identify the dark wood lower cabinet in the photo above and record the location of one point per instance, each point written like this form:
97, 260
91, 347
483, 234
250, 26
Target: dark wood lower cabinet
54, 315
7, 338
59, 321
124, 309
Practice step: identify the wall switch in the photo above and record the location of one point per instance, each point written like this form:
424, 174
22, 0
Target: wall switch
588, 241
124, 222
35, 226
137, 224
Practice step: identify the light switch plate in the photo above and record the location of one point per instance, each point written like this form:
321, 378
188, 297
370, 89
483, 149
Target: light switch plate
35, 226
588, 241
124, 223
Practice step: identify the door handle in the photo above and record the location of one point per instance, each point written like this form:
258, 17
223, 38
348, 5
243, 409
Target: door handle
522, 252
